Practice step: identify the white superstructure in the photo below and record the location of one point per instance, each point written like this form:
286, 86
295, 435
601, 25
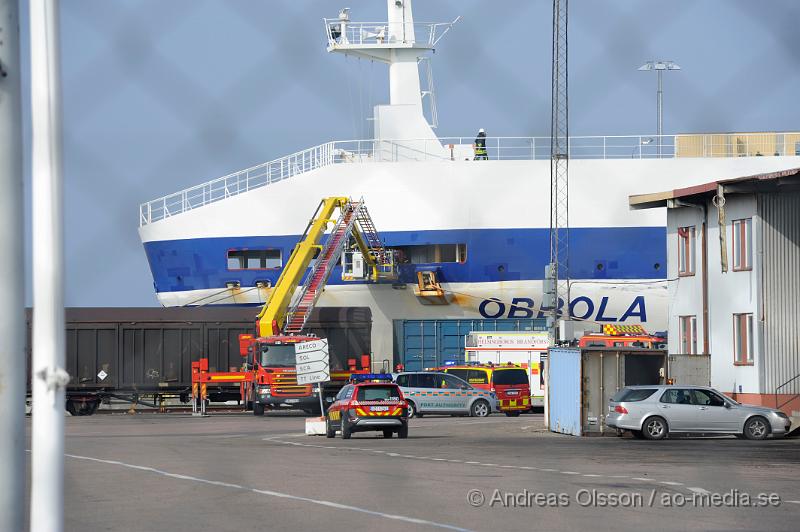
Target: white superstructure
480, 227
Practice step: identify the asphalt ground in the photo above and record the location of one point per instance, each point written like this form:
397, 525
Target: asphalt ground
155, 472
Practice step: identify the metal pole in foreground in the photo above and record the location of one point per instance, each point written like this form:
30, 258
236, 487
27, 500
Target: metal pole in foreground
48, 375
558, 268
12, 277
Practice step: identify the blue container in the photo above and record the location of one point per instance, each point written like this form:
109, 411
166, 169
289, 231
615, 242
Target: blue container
564, 390
424, 344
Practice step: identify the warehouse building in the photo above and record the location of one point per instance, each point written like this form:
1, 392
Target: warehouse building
734, 280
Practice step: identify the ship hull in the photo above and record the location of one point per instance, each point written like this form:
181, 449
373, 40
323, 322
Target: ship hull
499, 210
591, 303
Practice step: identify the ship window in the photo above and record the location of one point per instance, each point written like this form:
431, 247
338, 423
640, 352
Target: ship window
254, 259
432, 253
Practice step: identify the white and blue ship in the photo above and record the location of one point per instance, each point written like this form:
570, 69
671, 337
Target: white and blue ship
480, 227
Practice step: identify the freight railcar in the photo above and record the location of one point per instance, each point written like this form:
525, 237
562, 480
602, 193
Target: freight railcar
144, 355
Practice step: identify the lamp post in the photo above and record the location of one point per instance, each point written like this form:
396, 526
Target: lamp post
660, 67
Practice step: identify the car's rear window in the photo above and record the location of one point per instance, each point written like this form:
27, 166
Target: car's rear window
477, 376
378, 393
460, 373
509, 376
633, 394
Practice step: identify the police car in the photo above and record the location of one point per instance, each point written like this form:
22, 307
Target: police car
370, 403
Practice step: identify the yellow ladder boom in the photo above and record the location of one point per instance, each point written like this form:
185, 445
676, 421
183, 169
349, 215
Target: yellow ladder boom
273, 316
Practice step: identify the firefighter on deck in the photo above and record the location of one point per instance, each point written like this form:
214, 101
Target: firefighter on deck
480, 146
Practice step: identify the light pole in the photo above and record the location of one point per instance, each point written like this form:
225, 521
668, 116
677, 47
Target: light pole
660, 67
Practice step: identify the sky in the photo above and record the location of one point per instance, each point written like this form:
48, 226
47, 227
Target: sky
161, 95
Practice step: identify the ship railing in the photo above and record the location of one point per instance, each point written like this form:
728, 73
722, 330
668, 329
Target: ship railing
237, 182
463, 148
342, 34
503, 148
595, 147
539, 148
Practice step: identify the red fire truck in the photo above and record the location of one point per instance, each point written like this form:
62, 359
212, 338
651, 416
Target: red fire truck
268, 378
623, 336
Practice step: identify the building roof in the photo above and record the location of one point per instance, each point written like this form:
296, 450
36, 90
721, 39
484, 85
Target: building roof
782, 180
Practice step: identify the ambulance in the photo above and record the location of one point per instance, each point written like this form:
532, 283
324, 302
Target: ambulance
501, 349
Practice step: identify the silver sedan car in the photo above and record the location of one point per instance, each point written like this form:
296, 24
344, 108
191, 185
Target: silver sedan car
652, 412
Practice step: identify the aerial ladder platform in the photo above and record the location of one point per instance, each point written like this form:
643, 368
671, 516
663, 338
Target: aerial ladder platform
286, 311
353, 241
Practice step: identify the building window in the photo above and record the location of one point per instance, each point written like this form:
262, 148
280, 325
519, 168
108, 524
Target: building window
432, 253
686, 246
688, 334
742, 244
743, 339
254, 259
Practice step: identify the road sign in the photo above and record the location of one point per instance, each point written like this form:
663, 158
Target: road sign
312, 367
311, 360
312, 351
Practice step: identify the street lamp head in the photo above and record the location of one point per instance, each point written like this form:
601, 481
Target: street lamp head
659, 65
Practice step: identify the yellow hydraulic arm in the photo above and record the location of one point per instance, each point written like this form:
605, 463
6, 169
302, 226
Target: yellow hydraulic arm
271, 319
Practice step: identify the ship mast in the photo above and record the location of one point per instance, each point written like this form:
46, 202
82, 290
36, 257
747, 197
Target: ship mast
400, 43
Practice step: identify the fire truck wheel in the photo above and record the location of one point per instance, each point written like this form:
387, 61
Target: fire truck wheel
513, 414
387, 433
480, 408
402, 432
258, 409
345, 429
330, 432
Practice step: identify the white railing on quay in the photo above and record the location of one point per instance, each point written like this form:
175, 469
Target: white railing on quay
462, 148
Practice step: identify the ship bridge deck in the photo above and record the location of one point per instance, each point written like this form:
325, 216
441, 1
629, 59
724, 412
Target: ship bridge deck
461, 148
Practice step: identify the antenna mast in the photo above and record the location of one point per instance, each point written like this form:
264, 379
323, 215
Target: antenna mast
557, 274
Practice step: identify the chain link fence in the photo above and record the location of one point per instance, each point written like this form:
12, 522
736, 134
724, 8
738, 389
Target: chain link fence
160, 96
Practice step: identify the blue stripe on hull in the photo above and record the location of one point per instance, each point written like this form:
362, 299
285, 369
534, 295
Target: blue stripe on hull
492, 255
